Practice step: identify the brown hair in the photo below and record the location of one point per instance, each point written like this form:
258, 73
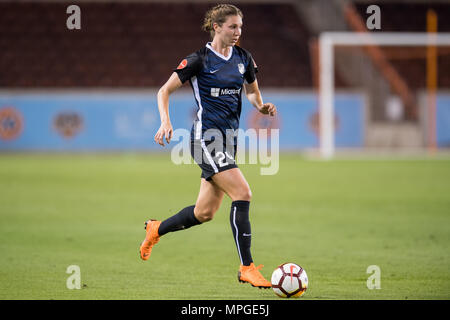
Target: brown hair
219, 14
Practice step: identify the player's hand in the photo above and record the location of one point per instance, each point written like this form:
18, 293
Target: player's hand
165, 131
268, 108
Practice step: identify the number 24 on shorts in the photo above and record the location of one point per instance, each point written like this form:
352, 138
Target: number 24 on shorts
221, 157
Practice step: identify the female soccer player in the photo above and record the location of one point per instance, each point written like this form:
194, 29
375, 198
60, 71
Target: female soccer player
217, 74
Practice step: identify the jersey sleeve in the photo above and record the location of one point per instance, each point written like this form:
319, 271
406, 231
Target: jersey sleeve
189, 67
252, 69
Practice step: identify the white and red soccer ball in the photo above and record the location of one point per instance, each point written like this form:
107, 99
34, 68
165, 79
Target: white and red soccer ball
289, 280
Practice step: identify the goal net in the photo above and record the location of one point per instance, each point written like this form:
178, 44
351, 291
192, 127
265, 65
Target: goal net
404, 83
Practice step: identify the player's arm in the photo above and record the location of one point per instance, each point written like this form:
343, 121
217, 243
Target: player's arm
166, 130
254, 96
188, 68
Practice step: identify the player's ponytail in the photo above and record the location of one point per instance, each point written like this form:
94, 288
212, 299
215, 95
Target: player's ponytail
219, 14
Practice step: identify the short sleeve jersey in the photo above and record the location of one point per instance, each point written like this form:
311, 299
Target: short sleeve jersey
217, 83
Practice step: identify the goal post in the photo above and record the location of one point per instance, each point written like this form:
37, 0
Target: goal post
327, 43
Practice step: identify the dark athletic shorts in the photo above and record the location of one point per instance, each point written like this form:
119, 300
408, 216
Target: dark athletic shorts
213, 157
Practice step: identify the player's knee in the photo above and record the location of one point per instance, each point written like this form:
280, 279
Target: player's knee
205, 214
244, 194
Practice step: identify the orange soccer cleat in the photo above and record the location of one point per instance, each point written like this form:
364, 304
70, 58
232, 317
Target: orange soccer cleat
151, 238
252, 275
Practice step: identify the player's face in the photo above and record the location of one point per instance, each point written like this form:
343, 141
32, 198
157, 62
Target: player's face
230, 31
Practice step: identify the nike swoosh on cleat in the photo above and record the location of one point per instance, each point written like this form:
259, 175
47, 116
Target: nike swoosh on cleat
214, 71
247, 234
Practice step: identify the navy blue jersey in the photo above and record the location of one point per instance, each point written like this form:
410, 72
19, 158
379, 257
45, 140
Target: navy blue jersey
217, 83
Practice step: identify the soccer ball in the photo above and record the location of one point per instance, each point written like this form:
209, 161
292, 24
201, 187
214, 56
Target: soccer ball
289, 280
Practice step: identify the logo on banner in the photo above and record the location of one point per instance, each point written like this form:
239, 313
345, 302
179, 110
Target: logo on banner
257, 121
314, 123
11, 123
68, 124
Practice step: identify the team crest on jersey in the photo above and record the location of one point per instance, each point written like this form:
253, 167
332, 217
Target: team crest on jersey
241, 68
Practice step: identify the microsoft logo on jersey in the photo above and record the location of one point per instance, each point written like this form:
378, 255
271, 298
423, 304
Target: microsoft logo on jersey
215, 92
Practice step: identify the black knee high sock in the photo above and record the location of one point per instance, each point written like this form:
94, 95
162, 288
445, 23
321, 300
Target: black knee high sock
240, 224
180, 221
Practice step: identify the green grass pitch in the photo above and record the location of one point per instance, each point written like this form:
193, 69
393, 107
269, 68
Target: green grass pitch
334, 218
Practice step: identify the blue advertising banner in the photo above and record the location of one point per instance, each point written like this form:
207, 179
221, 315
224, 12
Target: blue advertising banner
115, 121
443, 120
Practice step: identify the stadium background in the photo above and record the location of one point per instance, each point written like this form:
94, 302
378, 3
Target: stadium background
78, 114
133, 46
